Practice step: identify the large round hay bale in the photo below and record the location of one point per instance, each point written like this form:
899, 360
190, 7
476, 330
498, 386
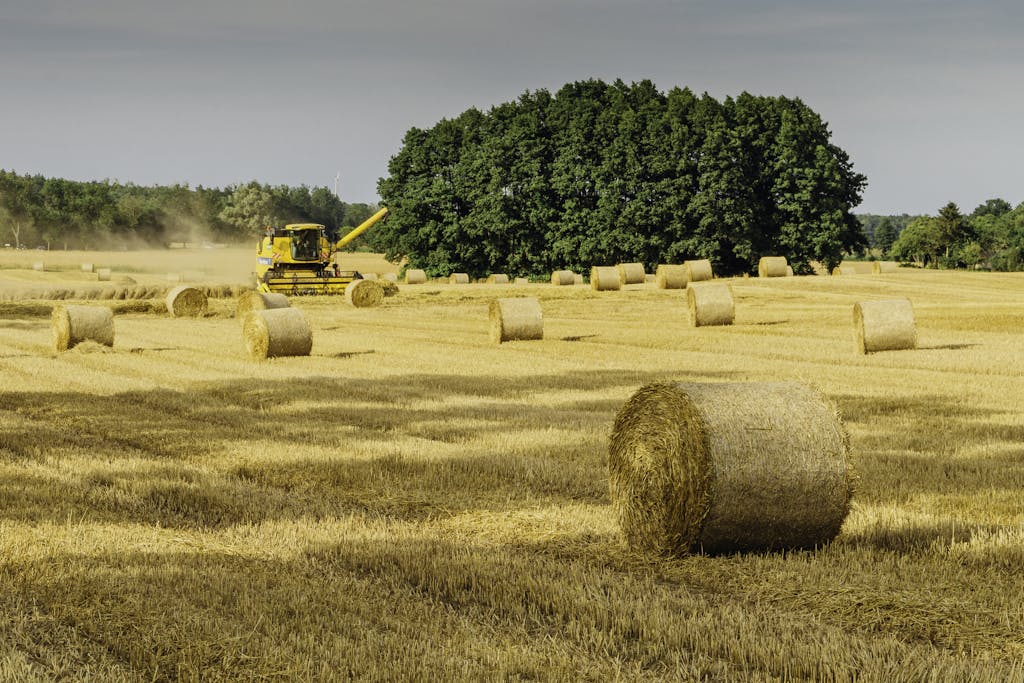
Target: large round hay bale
671, 276
88, 268
458, 279
516, 319
184, 301
38, 265
497, 279
710, 304
415, 276
251, 300
72, 325
879, 267
277, 332
561, 278
772, 266
698, 270
884, 325
364, 293
729, 467
605, 278
103, 274
631, 273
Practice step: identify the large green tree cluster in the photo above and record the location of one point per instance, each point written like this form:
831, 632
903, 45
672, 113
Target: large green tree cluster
62, 213
604, 173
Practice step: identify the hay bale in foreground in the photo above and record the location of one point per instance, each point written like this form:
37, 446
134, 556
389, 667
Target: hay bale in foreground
458, 279
561, 278
415, 276
38, 265
364, 293
717, 468
772, 266
186, 302
698, 270
103, 274
884, 325
671, 276
251, 300
497, 279
605, 279
631, 273
277, 332
879, 267
88, 268
516, 319
73, 325
710, 304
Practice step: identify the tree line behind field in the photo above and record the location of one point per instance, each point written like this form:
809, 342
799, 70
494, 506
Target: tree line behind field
58, 213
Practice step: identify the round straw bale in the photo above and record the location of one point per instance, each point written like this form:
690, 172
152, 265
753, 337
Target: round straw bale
772, 266
577, 278
38, 265
710, 304
364, 293
75, 324
87, 268
884, 325
497, 279
103, 274
698, 270
515, 319
184, 301
415, 276
277, 332
251, 300
390, 277
726, 467
560, 278
789, 271
388, 287
458, 279
879, 267
605, 278
521, 281
631, 273
670, 277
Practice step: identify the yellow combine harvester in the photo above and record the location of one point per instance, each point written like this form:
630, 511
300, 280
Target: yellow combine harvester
298, 259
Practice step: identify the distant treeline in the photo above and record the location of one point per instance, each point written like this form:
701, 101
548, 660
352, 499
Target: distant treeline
990, 238
57, 213
602, 173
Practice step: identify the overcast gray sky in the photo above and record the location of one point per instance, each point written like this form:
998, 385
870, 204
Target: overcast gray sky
925, 96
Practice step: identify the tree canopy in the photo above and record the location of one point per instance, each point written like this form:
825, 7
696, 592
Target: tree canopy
604, 173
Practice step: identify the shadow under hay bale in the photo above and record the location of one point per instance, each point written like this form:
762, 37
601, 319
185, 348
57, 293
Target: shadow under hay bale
364, 293
415, 276
698, 270
671, 276
458, 279
186, 302
605, 279
252, 300
631, 273
884, 325
497, 279
72, 325
718, 468
772, 266
710, 304
516, 319
561, 278
277, 332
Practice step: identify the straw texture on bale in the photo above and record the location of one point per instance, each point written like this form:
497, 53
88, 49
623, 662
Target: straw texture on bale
605, 278
87, 268
772, 266
729, 467
277, 332
698, 270
458, 279
184, 301
879, 267
251, 300
38, 265
73, 325
884, 325
516, 319
521, 281
103, 274
671, 276
631, 273
497, 279
388, 287
364, 293
415, 276
710, 304
561, 278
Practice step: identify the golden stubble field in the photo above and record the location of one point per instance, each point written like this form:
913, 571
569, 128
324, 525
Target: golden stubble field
414, 502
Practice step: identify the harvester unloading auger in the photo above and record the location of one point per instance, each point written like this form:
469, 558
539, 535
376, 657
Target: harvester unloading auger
298, 259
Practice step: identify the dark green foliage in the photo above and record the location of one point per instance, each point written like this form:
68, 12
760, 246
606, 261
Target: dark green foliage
603, 173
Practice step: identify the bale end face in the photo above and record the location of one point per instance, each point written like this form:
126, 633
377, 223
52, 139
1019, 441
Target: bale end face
364, 293
186, 302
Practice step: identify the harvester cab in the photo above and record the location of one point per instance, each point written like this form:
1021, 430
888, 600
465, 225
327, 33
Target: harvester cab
298, 259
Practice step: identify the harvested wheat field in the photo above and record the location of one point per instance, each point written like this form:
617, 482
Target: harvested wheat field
412, 501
